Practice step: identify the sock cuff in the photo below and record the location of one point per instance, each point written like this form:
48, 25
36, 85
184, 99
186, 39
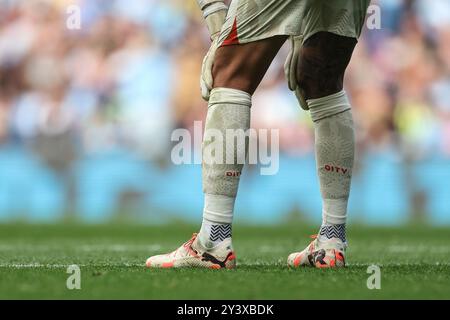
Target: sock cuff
328, 106
229, 96
334, 211
218, 208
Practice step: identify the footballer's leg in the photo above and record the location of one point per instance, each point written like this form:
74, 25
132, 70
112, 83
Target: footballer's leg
329, 38
252, 35
237, 72
320, 74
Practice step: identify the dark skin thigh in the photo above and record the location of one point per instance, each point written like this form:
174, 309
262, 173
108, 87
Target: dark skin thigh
243, 66
323, 60
321, 68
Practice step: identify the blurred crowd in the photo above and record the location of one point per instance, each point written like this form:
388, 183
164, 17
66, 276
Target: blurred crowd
129, 76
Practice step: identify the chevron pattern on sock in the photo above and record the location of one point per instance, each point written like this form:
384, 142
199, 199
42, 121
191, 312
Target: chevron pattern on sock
220, 232
333, 231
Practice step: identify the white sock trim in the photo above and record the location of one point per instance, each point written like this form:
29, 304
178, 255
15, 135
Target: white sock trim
229, 96
328, 106
218, 208
338, 207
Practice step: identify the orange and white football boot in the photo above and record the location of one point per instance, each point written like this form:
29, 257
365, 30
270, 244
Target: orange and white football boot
320, 254
193, 255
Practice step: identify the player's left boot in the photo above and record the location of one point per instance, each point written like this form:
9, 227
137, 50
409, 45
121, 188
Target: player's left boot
193, 255
320, 254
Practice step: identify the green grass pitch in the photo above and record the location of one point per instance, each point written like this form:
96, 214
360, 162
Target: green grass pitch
414, 262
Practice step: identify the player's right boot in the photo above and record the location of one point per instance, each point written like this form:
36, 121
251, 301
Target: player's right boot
193, 255
320, 254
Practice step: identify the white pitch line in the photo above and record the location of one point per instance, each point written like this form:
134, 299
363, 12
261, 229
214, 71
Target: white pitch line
82, 247
243, 265
419, 249
59, 266
120, 248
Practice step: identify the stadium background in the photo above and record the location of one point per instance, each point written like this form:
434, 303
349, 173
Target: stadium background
86, 117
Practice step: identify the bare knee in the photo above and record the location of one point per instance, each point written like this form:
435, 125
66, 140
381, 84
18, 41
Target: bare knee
323, 61
243, 66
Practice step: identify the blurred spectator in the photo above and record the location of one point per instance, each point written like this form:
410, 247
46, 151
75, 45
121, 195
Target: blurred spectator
129, 76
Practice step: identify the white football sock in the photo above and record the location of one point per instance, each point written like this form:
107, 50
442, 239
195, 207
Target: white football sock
335, 150
227, 109
217, 219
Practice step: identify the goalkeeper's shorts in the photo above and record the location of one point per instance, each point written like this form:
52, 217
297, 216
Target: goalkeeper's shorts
253, 20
